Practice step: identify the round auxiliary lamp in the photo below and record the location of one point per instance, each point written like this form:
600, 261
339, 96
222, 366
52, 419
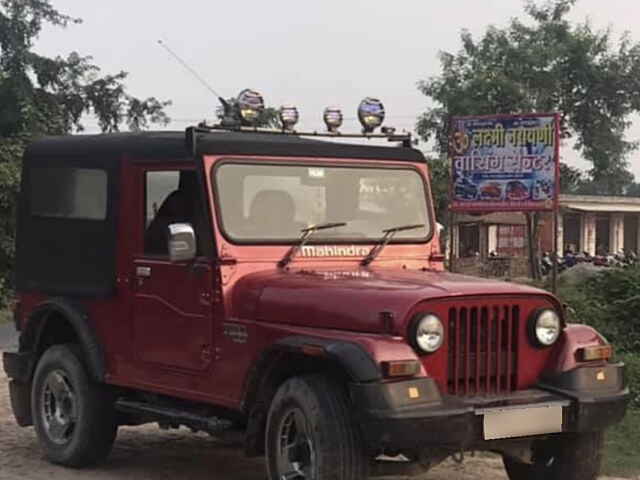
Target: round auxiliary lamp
370, 114
250, 106
332, 119
289, 117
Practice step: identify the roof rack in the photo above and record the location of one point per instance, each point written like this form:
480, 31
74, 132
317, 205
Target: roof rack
404, 138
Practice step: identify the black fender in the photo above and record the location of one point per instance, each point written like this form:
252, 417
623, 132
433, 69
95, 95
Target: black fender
349, 355
266, 374
31, 341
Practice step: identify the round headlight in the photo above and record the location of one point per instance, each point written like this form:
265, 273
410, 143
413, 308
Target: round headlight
428, 333
546, 327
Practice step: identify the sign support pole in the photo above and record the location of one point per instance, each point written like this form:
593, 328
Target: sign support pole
451, 240
554, 253
556, 206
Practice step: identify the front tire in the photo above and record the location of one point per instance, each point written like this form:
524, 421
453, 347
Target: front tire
310, 433
73, 417
570, 456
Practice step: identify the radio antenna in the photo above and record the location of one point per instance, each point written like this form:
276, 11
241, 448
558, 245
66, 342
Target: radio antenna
194, 73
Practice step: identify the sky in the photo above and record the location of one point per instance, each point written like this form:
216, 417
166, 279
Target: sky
308, 53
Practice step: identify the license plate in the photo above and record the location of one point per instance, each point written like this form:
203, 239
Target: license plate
517, 421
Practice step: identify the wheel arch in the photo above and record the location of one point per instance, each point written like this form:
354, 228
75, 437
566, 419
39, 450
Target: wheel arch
57, 321
292, 356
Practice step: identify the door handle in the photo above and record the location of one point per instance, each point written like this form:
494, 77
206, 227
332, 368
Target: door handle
143, 272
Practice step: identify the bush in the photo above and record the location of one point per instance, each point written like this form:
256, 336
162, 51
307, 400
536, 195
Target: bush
10, 156
610, 302
632, 361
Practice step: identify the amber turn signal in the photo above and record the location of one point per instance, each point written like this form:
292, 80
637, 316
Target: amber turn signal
599, 352
400, 368
313, 350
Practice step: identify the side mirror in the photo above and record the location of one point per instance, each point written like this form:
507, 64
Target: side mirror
182, 242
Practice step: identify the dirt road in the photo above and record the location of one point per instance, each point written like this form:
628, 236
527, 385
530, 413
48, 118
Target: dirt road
147, 453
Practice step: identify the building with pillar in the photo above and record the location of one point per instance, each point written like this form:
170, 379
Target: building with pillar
586, 223
596, 224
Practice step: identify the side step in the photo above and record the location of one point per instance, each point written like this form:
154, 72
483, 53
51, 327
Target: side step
174, 417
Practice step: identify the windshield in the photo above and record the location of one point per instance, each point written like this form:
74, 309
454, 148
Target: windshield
273, 203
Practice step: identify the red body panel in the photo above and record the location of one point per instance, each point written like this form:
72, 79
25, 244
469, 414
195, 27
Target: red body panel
169, 333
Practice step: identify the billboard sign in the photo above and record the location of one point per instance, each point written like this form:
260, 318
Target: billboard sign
504, 163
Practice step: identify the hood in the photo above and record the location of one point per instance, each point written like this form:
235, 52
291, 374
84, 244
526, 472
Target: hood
353, 299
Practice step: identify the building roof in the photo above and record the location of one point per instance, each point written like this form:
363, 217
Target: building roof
600, 203
497, 218
165, 144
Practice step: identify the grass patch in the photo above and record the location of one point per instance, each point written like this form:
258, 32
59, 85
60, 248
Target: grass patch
621, 447
5, 316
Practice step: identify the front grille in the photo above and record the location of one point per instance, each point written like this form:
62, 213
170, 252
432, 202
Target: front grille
483, 349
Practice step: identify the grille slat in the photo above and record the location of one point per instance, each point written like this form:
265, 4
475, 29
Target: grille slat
482, 349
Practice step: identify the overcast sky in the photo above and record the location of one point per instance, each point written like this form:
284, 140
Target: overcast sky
309, 53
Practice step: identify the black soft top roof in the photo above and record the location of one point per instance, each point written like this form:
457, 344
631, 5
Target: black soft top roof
164, 145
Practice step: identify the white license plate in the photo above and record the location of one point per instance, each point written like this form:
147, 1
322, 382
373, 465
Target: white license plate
509, 422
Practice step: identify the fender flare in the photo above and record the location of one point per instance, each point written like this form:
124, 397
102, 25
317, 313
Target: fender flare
349, 356
31, 337
355, 361
352, 357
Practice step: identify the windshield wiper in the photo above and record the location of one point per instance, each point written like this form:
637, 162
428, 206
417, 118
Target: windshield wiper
306, 234
384, 241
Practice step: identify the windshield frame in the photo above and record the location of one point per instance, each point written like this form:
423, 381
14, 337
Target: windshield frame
321, 163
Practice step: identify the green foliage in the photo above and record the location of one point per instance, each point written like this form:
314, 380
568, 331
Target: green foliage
268, 118
42, 95
609, 301
632, 361
571, 179
440, 170
10, 154
49, 96
546, 64
621, 447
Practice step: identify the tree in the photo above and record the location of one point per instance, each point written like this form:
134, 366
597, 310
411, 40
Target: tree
545, 65
440, 170
633, 190
571, 179
49, 96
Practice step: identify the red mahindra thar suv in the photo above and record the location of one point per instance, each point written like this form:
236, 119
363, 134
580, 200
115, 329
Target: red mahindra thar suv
290, 290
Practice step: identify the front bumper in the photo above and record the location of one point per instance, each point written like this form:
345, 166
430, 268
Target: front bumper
412, 414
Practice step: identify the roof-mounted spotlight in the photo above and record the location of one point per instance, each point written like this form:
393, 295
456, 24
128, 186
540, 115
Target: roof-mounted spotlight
332, 118
370, 114
250, 106
289, 116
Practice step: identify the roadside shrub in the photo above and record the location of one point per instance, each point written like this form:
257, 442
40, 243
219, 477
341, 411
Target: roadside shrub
10, 155
632, 361
610, 302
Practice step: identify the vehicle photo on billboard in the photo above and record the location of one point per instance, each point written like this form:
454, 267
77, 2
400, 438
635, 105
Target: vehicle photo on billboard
504, 162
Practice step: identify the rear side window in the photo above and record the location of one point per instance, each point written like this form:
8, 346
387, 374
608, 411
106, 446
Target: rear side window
76, 193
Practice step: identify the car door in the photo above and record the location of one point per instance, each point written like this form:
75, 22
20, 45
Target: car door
171, 310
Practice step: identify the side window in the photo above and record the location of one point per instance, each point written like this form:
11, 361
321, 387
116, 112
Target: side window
75, 193
159, 185
171, 196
